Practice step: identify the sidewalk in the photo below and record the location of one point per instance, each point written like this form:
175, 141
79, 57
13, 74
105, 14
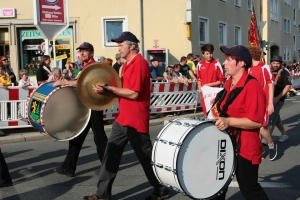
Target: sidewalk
30, 134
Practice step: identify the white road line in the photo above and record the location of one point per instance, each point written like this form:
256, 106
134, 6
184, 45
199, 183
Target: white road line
265, 184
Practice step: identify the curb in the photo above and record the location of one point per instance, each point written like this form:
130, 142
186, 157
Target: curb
35, 136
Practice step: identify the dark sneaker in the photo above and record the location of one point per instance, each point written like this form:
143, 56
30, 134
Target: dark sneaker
62, 171
273, 153
155, 197
6, 184
93, 197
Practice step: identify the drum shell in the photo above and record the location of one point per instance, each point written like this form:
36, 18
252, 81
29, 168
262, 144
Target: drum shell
57, 111
188, 170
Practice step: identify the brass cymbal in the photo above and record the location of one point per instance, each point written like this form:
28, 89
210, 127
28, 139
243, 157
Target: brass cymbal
91, 75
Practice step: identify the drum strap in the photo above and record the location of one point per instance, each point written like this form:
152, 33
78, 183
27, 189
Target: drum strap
232, 96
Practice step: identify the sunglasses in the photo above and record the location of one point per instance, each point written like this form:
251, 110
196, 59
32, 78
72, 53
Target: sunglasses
4, 60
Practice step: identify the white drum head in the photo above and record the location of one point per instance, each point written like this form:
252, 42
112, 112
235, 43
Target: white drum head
64, 116
206, 161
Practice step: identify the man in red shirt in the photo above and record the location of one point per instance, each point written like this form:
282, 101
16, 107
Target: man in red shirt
263, 74
209, 72
244, 117
68, 167
132, 122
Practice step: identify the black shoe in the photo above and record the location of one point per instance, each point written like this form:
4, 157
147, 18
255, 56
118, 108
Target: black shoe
2, 134
6, 184
273, 153
163, 195
62, 171
94, 197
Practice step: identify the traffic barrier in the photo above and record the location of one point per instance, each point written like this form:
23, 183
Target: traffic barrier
165, 97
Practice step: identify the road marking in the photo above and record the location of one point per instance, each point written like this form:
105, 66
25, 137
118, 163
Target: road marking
265, 184
296, 101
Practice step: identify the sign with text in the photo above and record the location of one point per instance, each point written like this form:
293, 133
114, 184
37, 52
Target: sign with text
52, 11
51, 17
7, 12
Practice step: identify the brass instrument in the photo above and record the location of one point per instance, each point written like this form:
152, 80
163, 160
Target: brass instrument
90, 76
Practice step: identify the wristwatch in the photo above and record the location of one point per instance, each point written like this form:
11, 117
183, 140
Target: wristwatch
110, 88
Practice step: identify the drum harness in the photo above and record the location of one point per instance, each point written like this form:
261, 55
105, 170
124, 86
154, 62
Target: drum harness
232, 96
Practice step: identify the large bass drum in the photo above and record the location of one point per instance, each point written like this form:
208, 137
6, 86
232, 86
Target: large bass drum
57, 111
194, 157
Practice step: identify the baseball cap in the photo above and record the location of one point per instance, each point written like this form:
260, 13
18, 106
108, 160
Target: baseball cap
86, 45
126, 36
154, 59
239, 51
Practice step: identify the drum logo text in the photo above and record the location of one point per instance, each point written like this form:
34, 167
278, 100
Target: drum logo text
221, 160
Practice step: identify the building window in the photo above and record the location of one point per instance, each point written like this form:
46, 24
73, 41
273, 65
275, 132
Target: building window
203, 30
287, 25
237, 35
294, 17
112, 27
298, 30
222, 33
288, 2
299, 4
249, 4
287, 53
294, 43
237, 3
274, 10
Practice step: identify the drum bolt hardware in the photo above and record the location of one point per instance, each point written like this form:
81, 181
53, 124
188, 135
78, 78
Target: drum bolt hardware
156, 139
174, 171
168, 168
168, 186
186, 124
172, 143
193, 125
176, 189
152, 163
159, 165
170, 121
178, 123
163, 141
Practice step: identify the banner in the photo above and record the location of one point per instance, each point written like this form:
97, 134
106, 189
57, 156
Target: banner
254, 39
209, 94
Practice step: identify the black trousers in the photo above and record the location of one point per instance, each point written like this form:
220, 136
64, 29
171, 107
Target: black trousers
100, 139
142, 147
247, 178
4, 173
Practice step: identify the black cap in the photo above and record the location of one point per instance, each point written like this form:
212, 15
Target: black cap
154, 59
276, 58
86, 45
239, 51
126, 36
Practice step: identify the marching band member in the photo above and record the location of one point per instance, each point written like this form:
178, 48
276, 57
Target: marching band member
241, 109
132, 123
68, 167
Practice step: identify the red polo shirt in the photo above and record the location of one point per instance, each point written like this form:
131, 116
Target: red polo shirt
250, 103
136, 77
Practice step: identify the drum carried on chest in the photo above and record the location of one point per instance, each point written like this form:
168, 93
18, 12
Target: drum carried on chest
194, 157
57, 111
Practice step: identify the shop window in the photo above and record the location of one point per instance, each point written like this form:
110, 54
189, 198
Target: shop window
32, 49
4, 43
112, 28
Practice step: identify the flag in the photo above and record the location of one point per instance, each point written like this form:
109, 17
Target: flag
254, 39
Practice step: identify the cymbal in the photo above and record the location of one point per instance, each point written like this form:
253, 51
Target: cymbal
90, 76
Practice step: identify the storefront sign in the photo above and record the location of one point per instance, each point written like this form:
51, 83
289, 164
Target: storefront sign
7, 13
35, 34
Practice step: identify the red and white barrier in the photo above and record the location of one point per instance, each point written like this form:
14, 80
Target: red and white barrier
165, 97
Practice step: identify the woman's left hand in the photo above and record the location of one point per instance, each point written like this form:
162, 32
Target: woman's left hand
222, 123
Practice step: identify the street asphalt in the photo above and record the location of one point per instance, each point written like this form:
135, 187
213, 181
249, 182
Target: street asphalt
30, 134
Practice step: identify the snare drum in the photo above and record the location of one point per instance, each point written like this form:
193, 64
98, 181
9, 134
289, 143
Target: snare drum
57, 111
194, 157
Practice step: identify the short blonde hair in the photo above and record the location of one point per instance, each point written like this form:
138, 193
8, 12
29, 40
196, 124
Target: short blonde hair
22, 72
